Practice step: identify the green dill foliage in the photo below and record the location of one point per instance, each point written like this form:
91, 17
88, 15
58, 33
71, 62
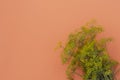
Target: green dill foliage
84, 52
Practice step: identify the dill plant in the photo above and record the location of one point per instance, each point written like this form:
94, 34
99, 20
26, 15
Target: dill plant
85, 52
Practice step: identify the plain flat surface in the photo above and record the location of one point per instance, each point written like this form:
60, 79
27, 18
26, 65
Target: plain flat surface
30, 30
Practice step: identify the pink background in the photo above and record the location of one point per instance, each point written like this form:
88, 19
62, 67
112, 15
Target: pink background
30, 30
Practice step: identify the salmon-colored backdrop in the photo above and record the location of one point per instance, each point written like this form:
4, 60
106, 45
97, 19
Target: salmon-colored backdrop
30, 30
